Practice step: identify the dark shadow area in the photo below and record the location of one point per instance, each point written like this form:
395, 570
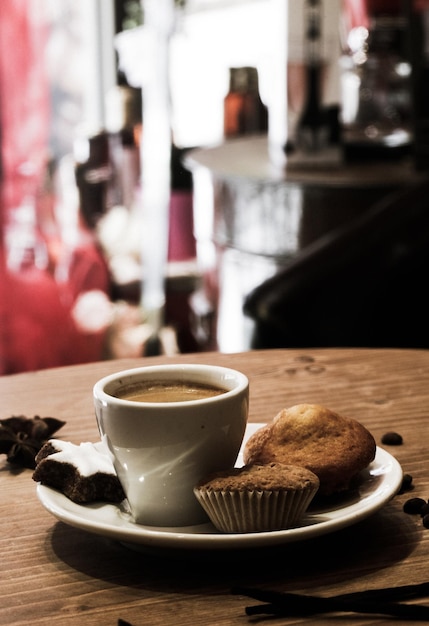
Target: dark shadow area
361, 285
343, 555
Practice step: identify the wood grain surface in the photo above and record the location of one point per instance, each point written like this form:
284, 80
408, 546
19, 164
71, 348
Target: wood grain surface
52, 573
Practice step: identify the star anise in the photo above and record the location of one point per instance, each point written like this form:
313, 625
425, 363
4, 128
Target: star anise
22, 437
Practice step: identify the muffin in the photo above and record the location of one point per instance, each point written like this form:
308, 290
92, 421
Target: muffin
257, 498
334, 447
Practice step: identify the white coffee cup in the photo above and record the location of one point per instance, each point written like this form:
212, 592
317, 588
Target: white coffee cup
161, 449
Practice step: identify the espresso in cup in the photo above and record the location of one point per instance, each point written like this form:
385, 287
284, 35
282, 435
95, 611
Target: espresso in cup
168, 391
163, 446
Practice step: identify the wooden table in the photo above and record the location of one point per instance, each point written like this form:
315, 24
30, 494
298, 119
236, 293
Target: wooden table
52, 573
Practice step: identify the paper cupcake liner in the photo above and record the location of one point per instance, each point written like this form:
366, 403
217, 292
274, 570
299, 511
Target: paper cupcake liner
254, 511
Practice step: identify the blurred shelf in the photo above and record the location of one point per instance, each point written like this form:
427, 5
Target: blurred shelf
248, 159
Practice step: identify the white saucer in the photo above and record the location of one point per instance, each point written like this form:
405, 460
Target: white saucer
379, 483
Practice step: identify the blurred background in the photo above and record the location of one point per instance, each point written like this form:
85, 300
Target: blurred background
181, 176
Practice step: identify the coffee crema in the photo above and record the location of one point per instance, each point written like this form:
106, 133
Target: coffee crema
168, 391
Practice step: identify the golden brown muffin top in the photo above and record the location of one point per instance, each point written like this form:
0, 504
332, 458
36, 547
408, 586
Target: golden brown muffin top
268, 477
332, 446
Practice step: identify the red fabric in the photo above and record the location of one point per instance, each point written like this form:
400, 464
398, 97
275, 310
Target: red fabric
24, 94
39, 326
3, 291
24, 113
36, 326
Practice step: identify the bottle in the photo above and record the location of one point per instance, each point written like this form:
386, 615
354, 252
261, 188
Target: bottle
183, 276
181, 242
93, 173
124, 124
313, 132
244, 111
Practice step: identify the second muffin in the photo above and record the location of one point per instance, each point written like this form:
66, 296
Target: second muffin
257, 498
